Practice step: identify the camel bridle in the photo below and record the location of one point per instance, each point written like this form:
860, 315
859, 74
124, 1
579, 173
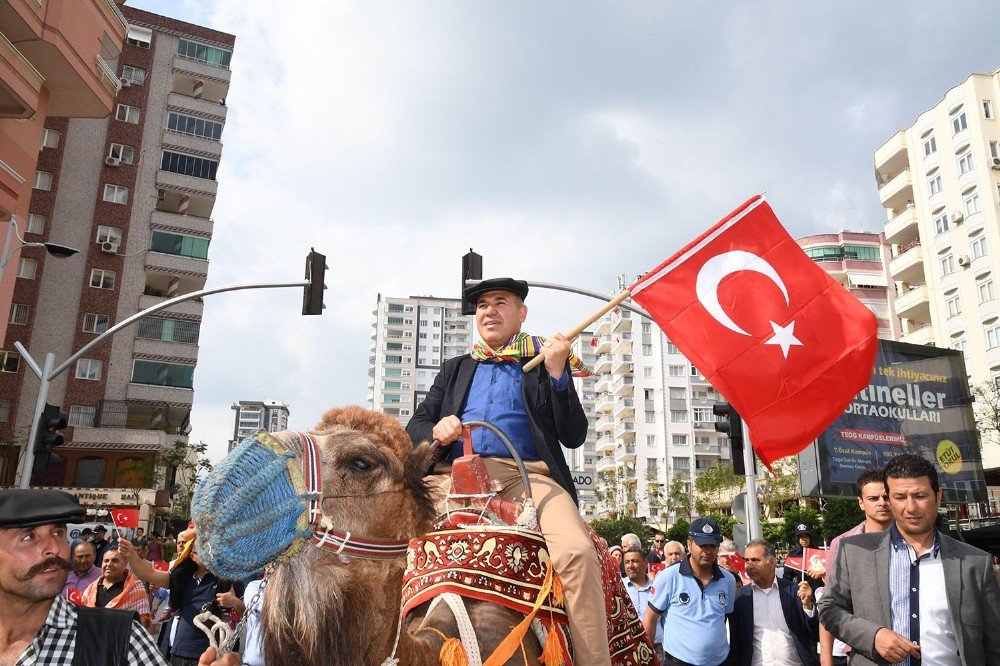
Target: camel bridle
324, 534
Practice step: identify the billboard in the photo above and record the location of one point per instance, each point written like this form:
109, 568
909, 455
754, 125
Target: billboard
918, 401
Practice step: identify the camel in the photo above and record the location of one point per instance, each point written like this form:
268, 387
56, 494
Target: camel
321, 608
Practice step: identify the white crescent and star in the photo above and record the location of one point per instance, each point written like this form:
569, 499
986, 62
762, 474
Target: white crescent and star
722, 265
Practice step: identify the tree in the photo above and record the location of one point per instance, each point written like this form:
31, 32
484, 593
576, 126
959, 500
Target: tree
606, 492
840, 515
655, 494
612, 529
986, 409
716, 487
679, 503
781, 489
179, 469
795, 515
679, 531
726, 522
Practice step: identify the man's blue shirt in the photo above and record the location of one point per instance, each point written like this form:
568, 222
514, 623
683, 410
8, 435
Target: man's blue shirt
693, 620
496, 397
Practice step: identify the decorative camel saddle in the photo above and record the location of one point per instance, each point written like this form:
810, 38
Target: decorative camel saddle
490, 550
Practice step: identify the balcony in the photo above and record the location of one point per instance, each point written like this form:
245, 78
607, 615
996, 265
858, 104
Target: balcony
902, 228
625, 453
622, 343
19, 97
920, 335
603, 326
194, 307
179, 350
704, 425
603, 383
150, 393
605, 403
199, 107
621, 321
914, 304
605, 464
168, 180
707, 449
603, 364
605, 424
603, 344
625, 431
160, 262
187, 70
908, 265
605, 445
192, 223
135, 415
627, 474
891, 156
622, 365
624, 408
623, 386
896, 193
188, 143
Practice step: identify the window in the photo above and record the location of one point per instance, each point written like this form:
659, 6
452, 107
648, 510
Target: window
979, 247
681, 464
422, 348
679, 440
647, 350
993, 336
648, 394
934, 184
678, 416
101, 279
185, 246
650, 440
140, 37
647, 373
27, 269
973, 205
169, 330
126, 113
965, 163
961, 345
5, 406
987, 109
985, 288
930, 146
43, 181
126, 154
959, 123
947, 264
646, 328
36, 224
89, 368
678, 393
11, 362
941, 223
50, 138
703, 415
90, 472
995, 149
134, 75
95, 323
393, 359
116, 194
694, 371
82, 416
672, 348
954, 306
423, 322
650, 417
163, 374
109, 235
19, 313
189, 165
676, 370
194, 126
210, 55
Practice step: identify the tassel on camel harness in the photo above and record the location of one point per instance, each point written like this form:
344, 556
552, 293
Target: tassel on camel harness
453, 653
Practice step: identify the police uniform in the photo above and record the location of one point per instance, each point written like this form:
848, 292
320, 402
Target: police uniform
693, 618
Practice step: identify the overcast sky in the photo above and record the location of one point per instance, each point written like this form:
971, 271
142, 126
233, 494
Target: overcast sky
566, 142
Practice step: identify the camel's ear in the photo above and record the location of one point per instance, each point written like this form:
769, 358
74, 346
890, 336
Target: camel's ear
421, 459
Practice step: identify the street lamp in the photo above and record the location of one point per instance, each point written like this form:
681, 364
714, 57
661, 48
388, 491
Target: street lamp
56, 250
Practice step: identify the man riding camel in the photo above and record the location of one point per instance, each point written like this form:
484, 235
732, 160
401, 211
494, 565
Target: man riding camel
537, 410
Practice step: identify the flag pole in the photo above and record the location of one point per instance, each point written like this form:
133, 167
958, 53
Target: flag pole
574, 333
750, 470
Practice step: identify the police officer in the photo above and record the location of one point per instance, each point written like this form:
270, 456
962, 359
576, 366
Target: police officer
690, 602
804, 534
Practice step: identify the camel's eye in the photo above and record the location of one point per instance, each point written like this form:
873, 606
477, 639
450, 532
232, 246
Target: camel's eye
361, 464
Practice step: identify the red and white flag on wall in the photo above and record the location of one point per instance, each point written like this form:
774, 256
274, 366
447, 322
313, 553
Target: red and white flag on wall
125, 517
784, 342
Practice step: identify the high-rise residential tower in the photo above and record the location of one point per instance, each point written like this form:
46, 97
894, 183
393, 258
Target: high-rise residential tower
254, 415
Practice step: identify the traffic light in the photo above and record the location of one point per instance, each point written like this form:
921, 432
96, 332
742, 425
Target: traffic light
52, 420
312, 295
732, 425
472, 269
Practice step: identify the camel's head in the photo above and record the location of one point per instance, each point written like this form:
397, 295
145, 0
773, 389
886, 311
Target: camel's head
254, 506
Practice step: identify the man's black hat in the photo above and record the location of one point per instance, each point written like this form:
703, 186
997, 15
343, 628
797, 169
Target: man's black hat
803, 528
100, 528
705, 532
31, 507
518, 287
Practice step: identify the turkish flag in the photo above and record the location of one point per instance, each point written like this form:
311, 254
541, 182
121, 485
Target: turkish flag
125, 517
784, 342
738, 564
810, 558
76, 596
160, 565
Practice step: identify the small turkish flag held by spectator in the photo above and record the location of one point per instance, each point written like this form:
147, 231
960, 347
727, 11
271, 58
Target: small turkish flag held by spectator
784, 342
76, 596
655, 568
810, 558
125, 517
160, 565
738, 564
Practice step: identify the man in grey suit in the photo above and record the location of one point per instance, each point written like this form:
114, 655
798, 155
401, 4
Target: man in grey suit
912, 595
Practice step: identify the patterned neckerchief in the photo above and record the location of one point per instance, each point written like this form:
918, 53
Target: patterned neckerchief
522, 346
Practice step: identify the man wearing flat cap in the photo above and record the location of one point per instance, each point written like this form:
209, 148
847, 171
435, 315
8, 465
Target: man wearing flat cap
38, 625
537, 410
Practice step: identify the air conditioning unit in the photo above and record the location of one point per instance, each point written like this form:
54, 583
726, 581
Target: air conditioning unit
995, 162
112, 161
109, 247
125, 82
957, 217
964, 260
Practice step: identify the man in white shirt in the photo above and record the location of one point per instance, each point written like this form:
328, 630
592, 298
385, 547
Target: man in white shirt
774, 622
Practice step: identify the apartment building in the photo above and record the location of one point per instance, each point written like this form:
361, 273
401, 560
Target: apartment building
254, 415
860, 262
58, 59
411, 338
134, 192
584, 458
939, 181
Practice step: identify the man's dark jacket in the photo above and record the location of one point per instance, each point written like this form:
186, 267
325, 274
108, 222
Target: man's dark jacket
554, 416
804, 629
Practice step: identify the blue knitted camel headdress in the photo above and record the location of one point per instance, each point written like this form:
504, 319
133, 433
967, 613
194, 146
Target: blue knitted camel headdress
252, 509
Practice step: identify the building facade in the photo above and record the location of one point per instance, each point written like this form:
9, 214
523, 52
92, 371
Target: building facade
58, 60
254, 415
583, 459
939, 181
135, 193
411, 338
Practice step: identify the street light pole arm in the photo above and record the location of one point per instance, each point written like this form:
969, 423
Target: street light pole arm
161, 306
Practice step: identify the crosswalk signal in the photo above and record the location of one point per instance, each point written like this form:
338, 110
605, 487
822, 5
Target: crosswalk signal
312, 295
472, 269
732, 426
